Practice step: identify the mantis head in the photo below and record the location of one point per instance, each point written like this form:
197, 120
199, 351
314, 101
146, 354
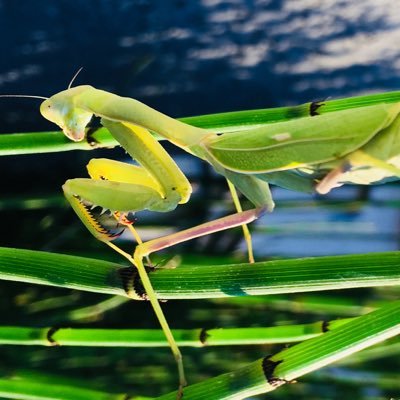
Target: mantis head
63, 111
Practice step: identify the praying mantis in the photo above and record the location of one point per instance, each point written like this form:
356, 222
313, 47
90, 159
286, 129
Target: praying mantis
313, 147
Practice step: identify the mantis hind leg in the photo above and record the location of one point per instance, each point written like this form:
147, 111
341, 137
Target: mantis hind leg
358, 159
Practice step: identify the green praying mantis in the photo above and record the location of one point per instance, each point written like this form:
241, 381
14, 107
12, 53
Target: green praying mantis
312, 147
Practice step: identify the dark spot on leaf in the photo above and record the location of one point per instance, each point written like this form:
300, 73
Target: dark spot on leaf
203, 336
269, 368
314, 106
50, 334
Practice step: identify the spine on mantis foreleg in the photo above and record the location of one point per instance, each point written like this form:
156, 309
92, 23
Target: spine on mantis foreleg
85, 214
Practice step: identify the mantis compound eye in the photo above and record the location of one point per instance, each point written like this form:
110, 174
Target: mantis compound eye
47, 110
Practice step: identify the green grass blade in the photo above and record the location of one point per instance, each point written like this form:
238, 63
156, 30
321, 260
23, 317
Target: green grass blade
388, 349
316, 303
60, 270
239, 120
194, 282
92, 312
266, 374
279, 276
16, 335
49, 142
32, 389
263, 375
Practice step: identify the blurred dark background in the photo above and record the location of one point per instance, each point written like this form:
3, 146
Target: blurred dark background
188, 58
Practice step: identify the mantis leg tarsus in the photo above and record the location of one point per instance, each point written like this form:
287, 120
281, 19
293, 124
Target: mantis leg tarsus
181, 372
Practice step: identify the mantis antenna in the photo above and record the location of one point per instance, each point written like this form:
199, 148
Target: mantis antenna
42, 97
74, 77
24, 95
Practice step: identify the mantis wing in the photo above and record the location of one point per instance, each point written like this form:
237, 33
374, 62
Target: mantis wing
301, 142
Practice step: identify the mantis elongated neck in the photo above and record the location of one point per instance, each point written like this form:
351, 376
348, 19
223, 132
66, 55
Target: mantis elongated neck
124, 109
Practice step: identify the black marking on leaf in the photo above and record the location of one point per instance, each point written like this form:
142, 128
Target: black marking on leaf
219, 133
314, 105
268, 369
49, 336
139, 288
325, 326
128, 276
203, 336
132, 283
